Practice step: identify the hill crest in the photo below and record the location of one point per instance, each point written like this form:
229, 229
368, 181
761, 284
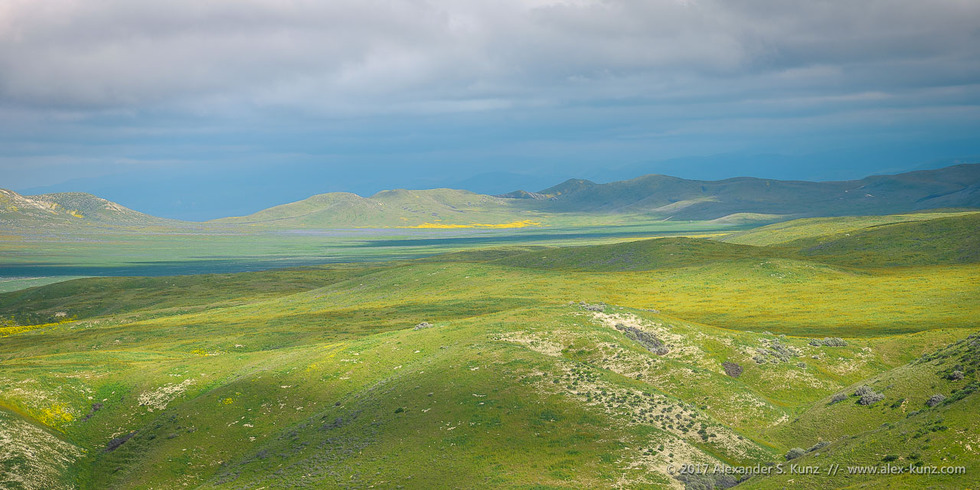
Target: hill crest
68, 208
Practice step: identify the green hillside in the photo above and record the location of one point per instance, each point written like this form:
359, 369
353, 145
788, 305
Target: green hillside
788, 231
923, 421
947, 240
599, 366
637, 256
433, 208
574, 203
67, 209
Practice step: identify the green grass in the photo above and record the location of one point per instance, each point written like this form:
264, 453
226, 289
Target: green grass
316, 376
788, 231
948, 240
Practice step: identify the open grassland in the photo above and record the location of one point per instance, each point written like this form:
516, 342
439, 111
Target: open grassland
699, 352
223, 248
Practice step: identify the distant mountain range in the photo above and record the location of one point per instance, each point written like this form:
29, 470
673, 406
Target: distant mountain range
651, 196
956, 186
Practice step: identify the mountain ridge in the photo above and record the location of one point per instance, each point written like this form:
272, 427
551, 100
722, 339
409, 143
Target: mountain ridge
955, 186
652, 196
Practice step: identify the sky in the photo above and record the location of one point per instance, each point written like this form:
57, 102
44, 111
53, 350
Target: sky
198, 110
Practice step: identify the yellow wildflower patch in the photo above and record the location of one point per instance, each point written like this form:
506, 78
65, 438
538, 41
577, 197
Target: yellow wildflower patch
513, 224
56, 415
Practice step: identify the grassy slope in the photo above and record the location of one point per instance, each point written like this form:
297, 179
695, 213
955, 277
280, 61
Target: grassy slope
638, 255
160, 296
389, 208
901, 430
513, 386
788, 231
949, 240
68, 209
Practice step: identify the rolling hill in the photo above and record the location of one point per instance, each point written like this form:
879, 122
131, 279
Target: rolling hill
68, 209
433, 208
651, 197
748, 200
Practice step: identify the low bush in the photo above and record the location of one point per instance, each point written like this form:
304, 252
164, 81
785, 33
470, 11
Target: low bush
818, 446
871, 398
794, 453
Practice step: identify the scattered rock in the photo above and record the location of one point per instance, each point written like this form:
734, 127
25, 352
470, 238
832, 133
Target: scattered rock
599, 307
828, 342
95, 408
646, 339
118, 441
423, 326
774, 352
732, 369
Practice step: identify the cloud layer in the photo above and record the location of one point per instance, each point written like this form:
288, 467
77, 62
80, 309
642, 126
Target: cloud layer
434, 56
460, 87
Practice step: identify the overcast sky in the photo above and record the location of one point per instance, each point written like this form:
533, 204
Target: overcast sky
198, 109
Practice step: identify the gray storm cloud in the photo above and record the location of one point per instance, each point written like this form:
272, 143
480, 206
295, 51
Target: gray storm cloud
378, 55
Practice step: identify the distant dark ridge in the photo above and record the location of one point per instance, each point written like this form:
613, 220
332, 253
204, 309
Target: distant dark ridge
675, 198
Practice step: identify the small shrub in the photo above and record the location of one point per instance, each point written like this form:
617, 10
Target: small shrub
955, 376
935, 400
732, 369
863, 390
838, 398
794, 453
890, 457
818, 446
834, 342
871, 398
